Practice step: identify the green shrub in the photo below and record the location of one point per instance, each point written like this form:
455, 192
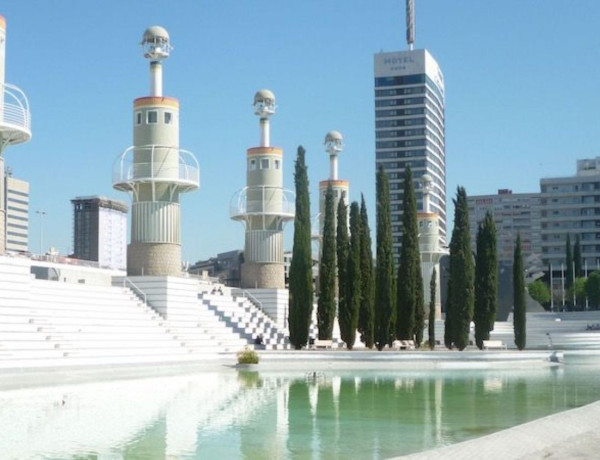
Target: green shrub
247, 356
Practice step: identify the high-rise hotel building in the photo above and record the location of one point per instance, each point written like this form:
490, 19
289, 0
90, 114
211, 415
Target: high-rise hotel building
409, 129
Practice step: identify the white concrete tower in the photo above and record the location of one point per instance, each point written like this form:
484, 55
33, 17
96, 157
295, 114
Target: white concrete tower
334, 144
263, 206
429, 245
156, 171
15, 124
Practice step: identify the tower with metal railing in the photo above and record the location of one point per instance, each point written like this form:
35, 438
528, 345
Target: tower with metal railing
334, 144
263, 206
156, 171
429, 246
15, 124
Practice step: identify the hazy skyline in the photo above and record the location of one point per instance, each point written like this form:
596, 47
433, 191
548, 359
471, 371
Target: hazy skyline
522, 97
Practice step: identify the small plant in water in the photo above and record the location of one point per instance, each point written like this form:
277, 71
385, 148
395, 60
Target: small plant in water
247, 356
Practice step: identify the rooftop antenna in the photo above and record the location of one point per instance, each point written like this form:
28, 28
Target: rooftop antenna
410, 23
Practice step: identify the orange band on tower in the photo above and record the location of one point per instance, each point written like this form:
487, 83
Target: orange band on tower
153, 100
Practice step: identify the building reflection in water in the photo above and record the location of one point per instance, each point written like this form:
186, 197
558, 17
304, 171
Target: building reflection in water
276, 415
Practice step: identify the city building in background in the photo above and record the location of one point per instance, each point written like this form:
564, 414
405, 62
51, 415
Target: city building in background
16, 195
513, 214
410, 127
226, 266
100, 231
571, 206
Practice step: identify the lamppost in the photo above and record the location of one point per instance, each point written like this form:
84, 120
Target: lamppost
41, 214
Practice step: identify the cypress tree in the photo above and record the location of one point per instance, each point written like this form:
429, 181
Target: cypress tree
568, 263
519, 317
326, 302
462, 274
301, 285
486, 280
409, 313
384, 272
577, 258
353, 298
342, 243
432, 299
366, 313
448, 322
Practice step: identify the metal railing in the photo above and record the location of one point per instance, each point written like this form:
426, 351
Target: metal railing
257, 303
158, 167
15, 108
136, 290
266, 200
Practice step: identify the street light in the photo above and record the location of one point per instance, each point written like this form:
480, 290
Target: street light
41, 214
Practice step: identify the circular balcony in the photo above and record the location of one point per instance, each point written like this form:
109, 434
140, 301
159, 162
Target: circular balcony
15, 117
156, 164
262, 201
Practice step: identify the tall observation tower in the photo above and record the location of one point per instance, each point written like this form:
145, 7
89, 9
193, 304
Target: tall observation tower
429, 245
334, 144
263, 206
15, 124
156, 172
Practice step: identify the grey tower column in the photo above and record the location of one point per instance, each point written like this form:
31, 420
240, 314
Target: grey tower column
15, 125
156, 171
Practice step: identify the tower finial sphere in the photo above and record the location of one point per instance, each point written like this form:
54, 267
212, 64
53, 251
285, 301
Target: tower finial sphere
427, 183
334, 142
156, 44
264, 103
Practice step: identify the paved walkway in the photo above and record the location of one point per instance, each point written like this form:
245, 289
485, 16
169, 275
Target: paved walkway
573, 434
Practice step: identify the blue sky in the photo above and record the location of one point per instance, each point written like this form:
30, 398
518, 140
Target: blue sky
522, 88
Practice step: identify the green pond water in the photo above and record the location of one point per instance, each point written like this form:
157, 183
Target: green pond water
279, 415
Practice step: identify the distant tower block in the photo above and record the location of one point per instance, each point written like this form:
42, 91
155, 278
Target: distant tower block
156, 171
15, 125
263, 206
334, 144
429, 245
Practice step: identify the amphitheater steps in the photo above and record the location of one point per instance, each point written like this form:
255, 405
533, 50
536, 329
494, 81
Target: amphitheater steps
63, 324
247, 320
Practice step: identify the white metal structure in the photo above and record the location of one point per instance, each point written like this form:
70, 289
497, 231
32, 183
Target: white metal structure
155, 171
15, 124
263, 206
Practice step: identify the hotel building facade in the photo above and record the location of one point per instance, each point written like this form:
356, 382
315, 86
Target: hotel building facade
410, 129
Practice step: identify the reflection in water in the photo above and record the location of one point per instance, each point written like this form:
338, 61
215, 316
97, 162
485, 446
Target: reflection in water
254, 415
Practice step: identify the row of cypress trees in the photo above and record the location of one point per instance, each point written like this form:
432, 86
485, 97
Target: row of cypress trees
473, 282
345, 258
381, 307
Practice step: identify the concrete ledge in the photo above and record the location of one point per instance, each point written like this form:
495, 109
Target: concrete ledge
421, 360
